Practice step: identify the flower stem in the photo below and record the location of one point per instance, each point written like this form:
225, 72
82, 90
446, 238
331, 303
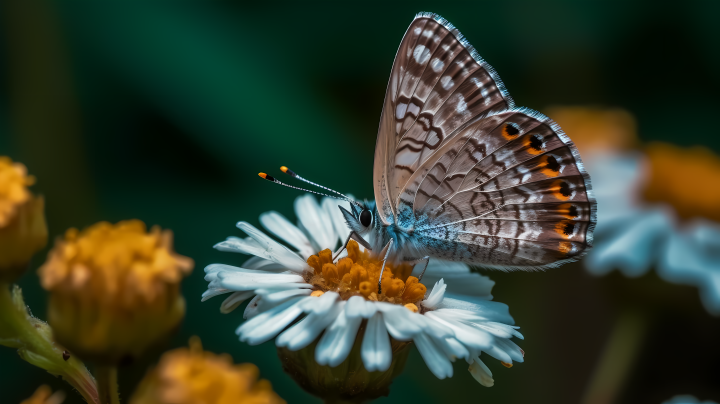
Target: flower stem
618, 358
107, 384
33, 340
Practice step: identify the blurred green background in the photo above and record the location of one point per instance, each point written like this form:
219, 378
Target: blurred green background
166, 111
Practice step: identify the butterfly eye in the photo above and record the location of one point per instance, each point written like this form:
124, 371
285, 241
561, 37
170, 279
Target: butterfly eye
365, 218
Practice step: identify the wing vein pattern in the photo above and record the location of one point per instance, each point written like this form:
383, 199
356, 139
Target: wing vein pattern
472, 177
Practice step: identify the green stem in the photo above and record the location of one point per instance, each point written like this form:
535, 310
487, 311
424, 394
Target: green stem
618, 358
33, 340
107, 384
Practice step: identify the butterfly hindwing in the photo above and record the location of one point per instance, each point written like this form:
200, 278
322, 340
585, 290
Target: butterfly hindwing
525, 188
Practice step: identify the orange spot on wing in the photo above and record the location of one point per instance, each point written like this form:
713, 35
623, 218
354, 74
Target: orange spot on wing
565, 228
565, 247
561, 190
531, 146
568, 210
510, 132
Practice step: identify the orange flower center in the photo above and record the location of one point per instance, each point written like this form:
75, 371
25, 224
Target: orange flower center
358, 274
686, 178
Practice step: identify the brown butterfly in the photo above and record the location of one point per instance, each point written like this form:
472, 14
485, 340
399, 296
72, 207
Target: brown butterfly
461, 174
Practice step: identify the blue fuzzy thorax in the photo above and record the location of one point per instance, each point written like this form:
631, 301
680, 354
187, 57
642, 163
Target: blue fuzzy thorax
405, 231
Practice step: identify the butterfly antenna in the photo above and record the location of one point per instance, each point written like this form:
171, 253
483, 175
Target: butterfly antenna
295, 175
276, 181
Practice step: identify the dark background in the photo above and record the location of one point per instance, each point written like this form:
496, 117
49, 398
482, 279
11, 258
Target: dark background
166, 112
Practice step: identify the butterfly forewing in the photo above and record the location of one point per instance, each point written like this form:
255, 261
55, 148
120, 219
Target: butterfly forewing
437, 84
484, 182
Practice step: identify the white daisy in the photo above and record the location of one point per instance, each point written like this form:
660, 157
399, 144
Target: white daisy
657, 207
301, 296
687, 399
634, 235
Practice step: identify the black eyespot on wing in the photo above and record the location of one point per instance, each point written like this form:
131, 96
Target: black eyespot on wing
565, 189
365, 218
510, 131
536, 142
573, 211
552, 163
569, 229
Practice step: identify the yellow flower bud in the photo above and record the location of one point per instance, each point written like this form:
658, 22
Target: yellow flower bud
114, 289
22, 220
188, 376
44, 395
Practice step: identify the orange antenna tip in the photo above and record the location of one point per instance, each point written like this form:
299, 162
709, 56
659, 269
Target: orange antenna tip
267, 177
288, 171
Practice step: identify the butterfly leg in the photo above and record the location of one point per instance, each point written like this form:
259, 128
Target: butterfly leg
387, 249
353, 236
426, 259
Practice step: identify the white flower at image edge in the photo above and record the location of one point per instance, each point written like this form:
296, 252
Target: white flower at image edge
633, 236
687, 399
459, 322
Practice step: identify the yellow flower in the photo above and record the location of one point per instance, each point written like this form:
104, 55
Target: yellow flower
22, 220
687, 179
43, 395
189, 376
594, 129
114, 289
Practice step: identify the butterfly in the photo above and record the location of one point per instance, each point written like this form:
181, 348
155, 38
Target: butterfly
461, 174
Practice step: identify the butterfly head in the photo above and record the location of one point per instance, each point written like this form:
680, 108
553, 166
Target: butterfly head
361, 217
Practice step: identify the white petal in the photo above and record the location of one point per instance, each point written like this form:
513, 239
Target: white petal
281, 296
481, 373
401, 323
432, 328
375, 351
322, 304
212, 270
279, 287
278, 225
457, 350
336, 343
359, 307
434, 357
633, 246
498, 353
436, 295
252, 308
235, 300
244, 281
475, 308
267, 325
458, 278
330, 205
511, 349
497, 329
471, 337
691, 257
212, 292
262, 263
308, 329
270, 249
316, 222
